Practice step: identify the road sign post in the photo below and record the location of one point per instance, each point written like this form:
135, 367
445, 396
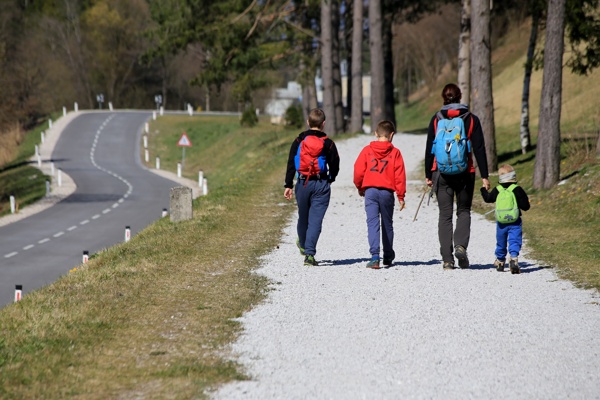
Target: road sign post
184, 142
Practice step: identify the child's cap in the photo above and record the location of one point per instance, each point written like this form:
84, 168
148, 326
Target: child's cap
507, 174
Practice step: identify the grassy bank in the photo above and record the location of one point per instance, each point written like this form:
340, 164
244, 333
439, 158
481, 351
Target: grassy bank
150, 318
19, 177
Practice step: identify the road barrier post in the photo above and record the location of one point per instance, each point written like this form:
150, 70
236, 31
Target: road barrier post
18, 292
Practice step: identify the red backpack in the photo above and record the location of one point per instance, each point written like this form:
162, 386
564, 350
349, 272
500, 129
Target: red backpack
310, 159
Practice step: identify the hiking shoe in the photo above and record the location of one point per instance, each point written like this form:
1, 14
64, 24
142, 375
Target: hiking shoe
514, 266
461, 253
449, 265
310, 261
387, 262
374, 263
299, 247
499, 265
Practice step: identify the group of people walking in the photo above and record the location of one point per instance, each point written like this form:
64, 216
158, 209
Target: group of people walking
454, 133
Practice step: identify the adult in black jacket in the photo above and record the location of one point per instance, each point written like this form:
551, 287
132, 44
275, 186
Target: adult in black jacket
454, 242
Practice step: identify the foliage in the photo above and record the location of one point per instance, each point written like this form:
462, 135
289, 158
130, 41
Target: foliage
249, 117
294, 116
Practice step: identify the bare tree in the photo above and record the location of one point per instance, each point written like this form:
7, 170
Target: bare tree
327, 65
377, 67
547, 159
337, 73
464, 51
356, 118
481, 76
524, 131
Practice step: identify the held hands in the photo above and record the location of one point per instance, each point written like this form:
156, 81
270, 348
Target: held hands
402, 205
486, 183
287, 193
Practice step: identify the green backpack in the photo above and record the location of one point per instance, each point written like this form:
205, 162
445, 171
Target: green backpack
507, 210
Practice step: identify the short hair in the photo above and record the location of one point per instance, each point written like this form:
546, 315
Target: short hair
385, 128
451, 94
505, 169
316, 117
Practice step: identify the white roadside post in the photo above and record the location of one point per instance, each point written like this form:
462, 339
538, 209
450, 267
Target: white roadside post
50, 123
200, 178
47, 188
145, 141
146, 155
39, 161
147, 127
154, 115
76, 107
37, 150
12, 204
18, 292
42, 137
157, 162
86, 256
127, 234
205, 187
64, 111
164, 212
59, 177
110, 107
51, 168
179, 170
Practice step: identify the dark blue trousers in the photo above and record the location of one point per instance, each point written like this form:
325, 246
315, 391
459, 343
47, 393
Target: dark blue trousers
312, 200
379, 205
511, 235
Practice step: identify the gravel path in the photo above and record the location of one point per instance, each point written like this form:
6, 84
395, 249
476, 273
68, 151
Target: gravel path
342, 331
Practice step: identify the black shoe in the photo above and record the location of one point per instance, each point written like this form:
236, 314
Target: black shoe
449, 265
310, 261
499, 265
461, 253
514, 266
387, 262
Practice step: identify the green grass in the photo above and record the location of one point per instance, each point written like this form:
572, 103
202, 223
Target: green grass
152, 316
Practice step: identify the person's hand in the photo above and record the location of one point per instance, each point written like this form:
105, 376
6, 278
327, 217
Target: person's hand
287, 193
429, 182
361, 193
402, 205
486, 183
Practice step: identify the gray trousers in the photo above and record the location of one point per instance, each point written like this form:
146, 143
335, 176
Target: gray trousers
449, 188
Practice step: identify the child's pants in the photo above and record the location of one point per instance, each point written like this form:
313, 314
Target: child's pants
380, 202
312, 200
511, 234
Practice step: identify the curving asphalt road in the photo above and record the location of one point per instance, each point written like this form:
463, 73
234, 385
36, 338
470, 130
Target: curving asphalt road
100, 152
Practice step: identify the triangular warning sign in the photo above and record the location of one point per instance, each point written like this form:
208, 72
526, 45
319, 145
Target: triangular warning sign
184, 141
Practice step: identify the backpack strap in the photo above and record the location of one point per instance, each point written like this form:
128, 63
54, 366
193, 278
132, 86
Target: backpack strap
512, 187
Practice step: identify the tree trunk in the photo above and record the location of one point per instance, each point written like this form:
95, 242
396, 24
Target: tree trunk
327, 66
525, 134
389, 112
337, 74
547, 160
377, 64
464, 52
356, 117
481, 77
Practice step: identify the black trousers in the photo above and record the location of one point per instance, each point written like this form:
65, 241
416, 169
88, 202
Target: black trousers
447, 189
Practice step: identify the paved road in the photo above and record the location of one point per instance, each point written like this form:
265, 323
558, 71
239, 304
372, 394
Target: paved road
100, 152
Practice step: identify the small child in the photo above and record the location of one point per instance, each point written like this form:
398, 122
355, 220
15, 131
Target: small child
508, 229
378, 174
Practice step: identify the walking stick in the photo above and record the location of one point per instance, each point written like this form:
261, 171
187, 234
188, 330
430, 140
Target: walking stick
419, 206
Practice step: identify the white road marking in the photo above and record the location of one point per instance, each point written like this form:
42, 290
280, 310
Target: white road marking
59, 234
29, 246
85, 221
44, 240
9, 255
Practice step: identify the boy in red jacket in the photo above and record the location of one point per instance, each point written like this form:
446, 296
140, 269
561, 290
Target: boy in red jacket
378, 174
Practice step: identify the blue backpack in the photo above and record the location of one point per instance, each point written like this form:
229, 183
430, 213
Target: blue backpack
451, 146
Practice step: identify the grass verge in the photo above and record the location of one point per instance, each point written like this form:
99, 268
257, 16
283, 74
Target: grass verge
150, 318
